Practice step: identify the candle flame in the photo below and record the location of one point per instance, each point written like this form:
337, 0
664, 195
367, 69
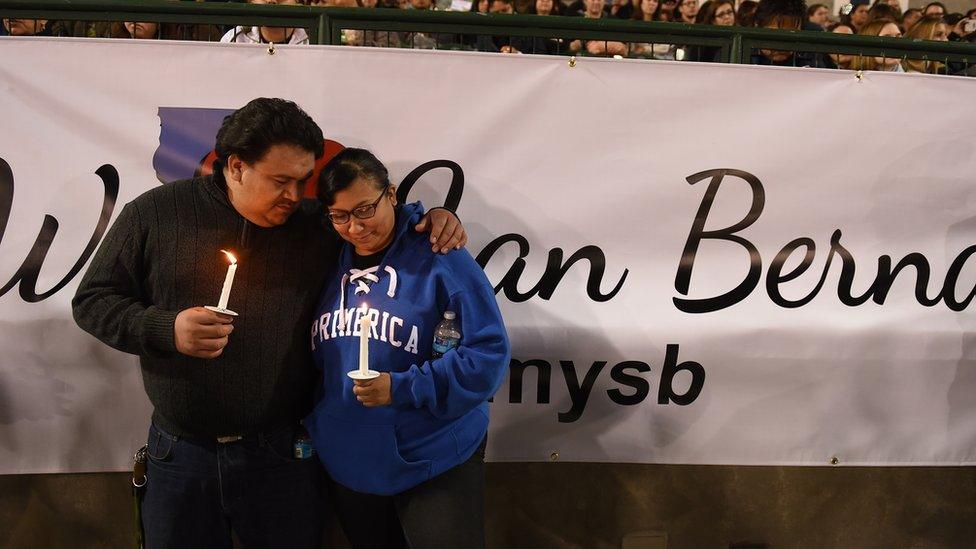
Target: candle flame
230, 257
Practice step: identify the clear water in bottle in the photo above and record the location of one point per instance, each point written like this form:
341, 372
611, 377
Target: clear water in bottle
447, 336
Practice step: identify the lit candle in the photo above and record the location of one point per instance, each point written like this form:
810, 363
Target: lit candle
364, 327
228, 281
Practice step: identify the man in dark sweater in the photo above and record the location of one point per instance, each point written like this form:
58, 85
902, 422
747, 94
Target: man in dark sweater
227, 392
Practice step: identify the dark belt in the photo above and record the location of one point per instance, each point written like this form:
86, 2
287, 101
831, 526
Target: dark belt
263, 435
230, 439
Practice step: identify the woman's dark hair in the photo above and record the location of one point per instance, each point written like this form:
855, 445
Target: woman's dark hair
345, 168
745, 16
784, 12
883, 12
930, 4
952, 18
706, 14
703, 9
252, 129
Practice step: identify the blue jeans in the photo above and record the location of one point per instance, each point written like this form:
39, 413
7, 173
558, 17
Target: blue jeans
200, 490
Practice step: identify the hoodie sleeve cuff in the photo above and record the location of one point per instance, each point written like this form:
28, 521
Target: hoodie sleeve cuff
158, 331
400, 389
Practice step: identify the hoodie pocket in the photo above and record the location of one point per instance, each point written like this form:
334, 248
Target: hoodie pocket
365, 458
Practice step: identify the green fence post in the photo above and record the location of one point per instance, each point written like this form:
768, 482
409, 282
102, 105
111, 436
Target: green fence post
735, 56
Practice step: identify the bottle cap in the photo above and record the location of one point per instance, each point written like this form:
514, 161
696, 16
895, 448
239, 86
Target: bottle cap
449, 315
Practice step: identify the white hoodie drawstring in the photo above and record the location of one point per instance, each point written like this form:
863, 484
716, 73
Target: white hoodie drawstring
363, 278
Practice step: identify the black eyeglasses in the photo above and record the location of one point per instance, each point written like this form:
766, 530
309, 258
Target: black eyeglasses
366, 211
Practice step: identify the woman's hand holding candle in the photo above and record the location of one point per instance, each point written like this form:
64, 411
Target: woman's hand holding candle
374, 392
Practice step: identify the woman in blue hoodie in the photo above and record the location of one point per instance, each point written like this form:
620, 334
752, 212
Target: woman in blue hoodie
406, 449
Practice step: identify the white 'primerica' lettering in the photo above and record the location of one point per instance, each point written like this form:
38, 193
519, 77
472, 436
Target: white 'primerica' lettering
385, 327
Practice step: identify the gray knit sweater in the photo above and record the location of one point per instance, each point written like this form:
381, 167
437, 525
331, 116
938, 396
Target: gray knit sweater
162, 256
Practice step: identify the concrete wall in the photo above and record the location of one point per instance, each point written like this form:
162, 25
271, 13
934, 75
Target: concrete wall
594, 506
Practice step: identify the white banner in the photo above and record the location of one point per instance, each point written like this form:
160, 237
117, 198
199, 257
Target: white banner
696, 263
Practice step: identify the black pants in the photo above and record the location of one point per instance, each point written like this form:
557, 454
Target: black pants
445, 512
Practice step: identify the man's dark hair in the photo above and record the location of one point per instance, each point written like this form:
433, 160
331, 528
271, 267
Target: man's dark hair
787, 13
345, 168
252, 129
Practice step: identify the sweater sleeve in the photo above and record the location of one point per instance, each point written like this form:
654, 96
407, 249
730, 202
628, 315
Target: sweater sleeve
463, 378
111, 303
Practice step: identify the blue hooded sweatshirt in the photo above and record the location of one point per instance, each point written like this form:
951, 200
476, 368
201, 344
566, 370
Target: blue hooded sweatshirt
439, 414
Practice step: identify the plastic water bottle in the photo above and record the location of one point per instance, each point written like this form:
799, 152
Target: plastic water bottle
302, 445
447, 336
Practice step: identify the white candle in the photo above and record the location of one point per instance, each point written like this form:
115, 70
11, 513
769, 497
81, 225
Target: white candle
364, 327
228, 281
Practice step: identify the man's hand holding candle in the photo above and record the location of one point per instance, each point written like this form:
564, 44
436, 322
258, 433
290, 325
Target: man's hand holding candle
201, 333
374, 392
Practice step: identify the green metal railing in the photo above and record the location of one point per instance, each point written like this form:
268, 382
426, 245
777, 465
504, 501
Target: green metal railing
326, 26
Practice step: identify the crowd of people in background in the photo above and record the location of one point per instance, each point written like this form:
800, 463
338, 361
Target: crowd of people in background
884, 18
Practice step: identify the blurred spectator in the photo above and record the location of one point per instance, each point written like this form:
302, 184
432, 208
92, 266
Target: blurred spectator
372, 38
649, 10
840, 60
645, 10
785, 15
935, 8
602, 48
857, 17
687, 11
480, 6
885, 29
817, 14
546, 7
621, 9
26, 27
713, 12
883, 12
666, 10
430, 40
501, 6
953, 20
745, 16
927, 28
496, 44
717, 12
910, 17
523, 6
964, 28
145, 31
538, 44
263, 35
